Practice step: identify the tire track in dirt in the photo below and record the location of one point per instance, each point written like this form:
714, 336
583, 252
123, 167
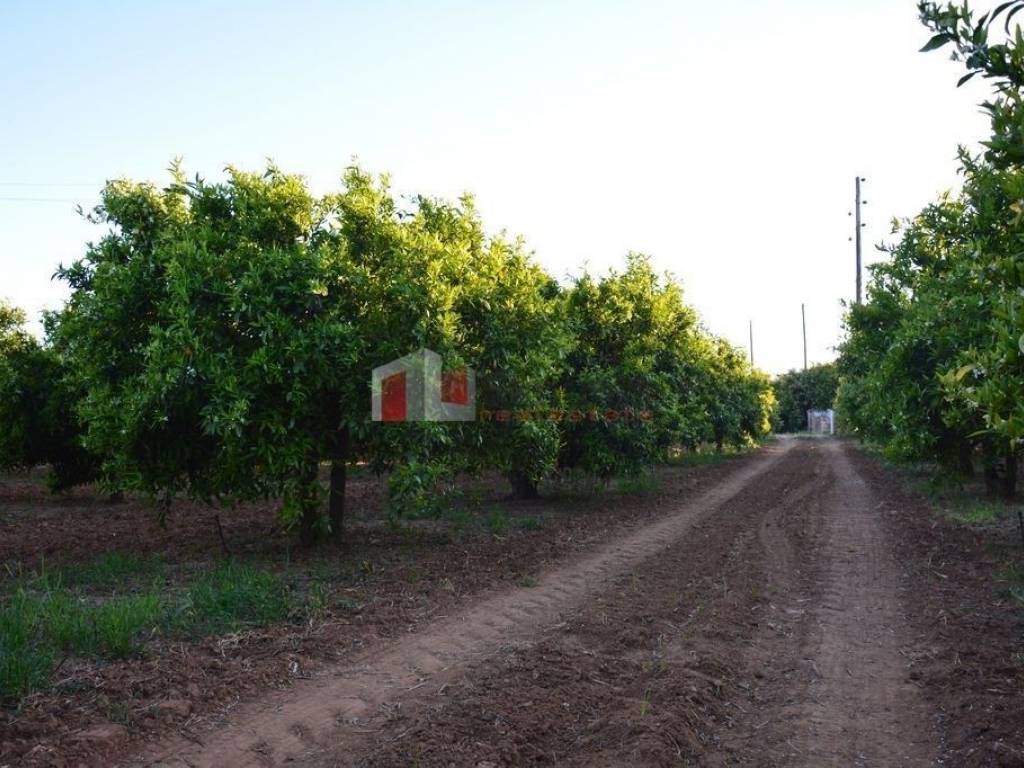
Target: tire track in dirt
835, 689
313, 716
863, 711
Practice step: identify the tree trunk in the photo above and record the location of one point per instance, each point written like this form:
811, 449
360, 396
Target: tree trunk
307, 524
991, 469
1010, 474
523, 486
310, 515
1020, 525
965, 459
339, 478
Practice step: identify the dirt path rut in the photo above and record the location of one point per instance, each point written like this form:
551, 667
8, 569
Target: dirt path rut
758, 624
862, 710
830, 669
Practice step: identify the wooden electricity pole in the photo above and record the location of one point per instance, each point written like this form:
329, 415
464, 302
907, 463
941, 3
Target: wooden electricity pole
803, 319
751, 343
858, 225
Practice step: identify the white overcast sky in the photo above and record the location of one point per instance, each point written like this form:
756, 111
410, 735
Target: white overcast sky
722, 138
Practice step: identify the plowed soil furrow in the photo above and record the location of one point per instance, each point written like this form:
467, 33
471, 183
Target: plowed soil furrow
765, 622
639, 675
769, 635
323, 715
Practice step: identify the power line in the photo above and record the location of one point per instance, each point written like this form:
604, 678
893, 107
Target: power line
45, 184
39, 200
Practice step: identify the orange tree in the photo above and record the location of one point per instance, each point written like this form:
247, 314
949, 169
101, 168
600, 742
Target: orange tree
932, 365
646, 377
224, 336
797, 392
428, 275
202, 333
38, 424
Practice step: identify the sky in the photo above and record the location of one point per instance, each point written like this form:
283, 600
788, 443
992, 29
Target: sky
722, 139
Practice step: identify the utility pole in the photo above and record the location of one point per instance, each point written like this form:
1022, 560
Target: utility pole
751, 343
803, 318
856, 235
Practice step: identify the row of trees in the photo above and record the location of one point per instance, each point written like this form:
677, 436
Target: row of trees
799, 391
933, 364
219, 339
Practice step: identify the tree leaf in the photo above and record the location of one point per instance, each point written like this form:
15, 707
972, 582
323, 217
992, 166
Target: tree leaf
967, 77
1010, 16
937, 42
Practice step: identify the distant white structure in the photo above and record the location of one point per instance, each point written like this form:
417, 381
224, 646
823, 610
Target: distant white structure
821, 422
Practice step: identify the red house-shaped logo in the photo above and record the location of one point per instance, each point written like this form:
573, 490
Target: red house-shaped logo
415, 388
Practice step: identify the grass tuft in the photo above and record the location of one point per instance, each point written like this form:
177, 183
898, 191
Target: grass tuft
46, 621
497, 522
531, 523
110, 569
977, 511
228, 598
638, 485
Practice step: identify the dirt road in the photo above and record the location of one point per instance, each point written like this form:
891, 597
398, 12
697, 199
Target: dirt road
760, 623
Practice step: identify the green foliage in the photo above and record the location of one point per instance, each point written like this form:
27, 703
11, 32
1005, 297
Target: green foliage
704, 457
202, 333
978, 512
220, 337
25, 663
497, 522
38, 629
647, 378
797, 392
224, 333
418, 489
933, 364
625, 327
926, 306
13, 335
1001, 61
530, 523
38, 424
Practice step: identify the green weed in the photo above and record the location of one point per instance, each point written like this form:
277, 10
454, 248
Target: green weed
977, 511
459, 519
228, 598
38, 630
530, 523
44, 622
638, 485
110, 569
704, 457
574, 484
645, 703
497, 522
